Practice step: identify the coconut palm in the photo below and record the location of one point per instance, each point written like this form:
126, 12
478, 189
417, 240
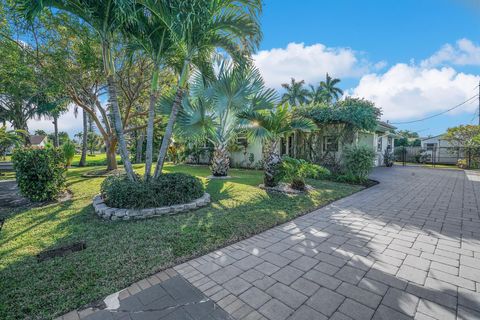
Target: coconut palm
270, 126
296, 93
329, 86
198, 29
9, 138
316, 95
106, 17
210, 113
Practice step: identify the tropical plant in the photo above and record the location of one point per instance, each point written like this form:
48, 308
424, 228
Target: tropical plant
198, 28
40, 173
10, 138
106, 17
330, 89
210, 113
388, 158
296, 94
317, 95
358, 163
68, 152
296, 170
270, 126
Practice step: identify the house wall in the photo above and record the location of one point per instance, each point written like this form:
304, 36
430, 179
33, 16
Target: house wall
241, 158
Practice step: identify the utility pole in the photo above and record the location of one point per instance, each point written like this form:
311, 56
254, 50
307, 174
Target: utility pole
479, 103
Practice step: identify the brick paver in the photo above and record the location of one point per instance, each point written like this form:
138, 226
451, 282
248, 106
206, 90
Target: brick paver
408, 248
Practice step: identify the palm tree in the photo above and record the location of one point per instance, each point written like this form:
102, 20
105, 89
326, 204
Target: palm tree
198, 29
211, 111
316, 95
106, 17
296, 92
9, 138
270, 126
332, 92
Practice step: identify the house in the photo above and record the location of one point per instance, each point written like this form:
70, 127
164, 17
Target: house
441, 151
324, 145
38, 140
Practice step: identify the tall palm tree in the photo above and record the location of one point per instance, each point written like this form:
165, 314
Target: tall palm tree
296, 93
316, 94
198, 29
106, 17
211, 111
269, 127
330, 88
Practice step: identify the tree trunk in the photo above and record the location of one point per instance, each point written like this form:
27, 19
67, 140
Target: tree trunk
220, 161
139, 148
56, 142
151, 117
83, 158
117, 123
168, 133
271, 166
110, 150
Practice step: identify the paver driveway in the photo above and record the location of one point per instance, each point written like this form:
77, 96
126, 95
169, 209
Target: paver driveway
406, 248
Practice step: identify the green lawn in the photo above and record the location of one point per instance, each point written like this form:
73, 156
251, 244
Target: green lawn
6, 159
7, 175
95, 160
120, 253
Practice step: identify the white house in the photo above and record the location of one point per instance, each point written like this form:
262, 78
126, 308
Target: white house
441, 150
38, 140
326, 144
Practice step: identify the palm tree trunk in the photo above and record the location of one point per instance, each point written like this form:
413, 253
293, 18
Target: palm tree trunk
220, 161
151, 117
271, 165
56, 142
168, 133
83, 158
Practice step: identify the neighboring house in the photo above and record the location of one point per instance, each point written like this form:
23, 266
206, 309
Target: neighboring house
326, 143
38, 140
441, 150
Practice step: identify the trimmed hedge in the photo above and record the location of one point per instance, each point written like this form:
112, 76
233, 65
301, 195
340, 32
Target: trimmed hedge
168, 189
40, 173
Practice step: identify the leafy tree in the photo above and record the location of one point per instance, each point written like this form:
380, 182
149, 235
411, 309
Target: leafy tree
296, 93
198, 29
329, 86
408, 138
464, 136
40, 132
270, 126
211, 111
105, 17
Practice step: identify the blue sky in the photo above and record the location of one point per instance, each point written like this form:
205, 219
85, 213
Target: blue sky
413, 58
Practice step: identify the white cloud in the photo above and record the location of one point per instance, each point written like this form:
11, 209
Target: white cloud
310, 63
464, 52
410, 91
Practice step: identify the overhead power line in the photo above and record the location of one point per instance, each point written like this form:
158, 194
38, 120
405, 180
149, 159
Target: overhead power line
438, 114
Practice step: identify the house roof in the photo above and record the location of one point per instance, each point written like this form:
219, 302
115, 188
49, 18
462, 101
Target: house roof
384, 126
36, 139
437, 136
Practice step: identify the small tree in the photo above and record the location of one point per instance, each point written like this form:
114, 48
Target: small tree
358, 163
10, 138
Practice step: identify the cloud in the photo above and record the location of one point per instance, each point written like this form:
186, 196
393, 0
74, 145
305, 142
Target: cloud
464, 52
407, 91
67, 122
310, 63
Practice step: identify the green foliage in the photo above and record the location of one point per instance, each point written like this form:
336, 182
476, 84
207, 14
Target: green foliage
40, 173
358, 163
464, 136
68, 149
388, 158
408, 139
168, 189
296, 170
358, 113
10, 138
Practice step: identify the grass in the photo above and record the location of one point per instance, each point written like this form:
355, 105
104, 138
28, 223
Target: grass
7, 175
6, 159
99, 159
120, 253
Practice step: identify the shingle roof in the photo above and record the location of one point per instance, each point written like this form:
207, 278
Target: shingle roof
36, 139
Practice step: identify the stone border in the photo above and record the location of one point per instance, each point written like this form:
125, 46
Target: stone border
108, 213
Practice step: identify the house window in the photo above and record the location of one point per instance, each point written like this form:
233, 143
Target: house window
330, 143
389, 143
431, 146
379, 144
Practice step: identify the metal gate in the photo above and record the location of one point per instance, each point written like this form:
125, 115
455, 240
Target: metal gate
464, 157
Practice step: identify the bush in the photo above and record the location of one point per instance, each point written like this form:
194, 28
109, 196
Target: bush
166, 190
68, 149
296, 170
40, 173
388, 158
358, 163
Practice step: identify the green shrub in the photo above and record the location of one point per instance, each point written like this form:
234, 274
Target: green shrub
68, 149
40, 173
296, 170
166, 190
358, 163
388, 158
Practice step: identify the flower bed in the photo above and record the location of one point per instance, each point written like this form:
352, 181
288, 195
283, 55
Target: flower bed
109, 213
